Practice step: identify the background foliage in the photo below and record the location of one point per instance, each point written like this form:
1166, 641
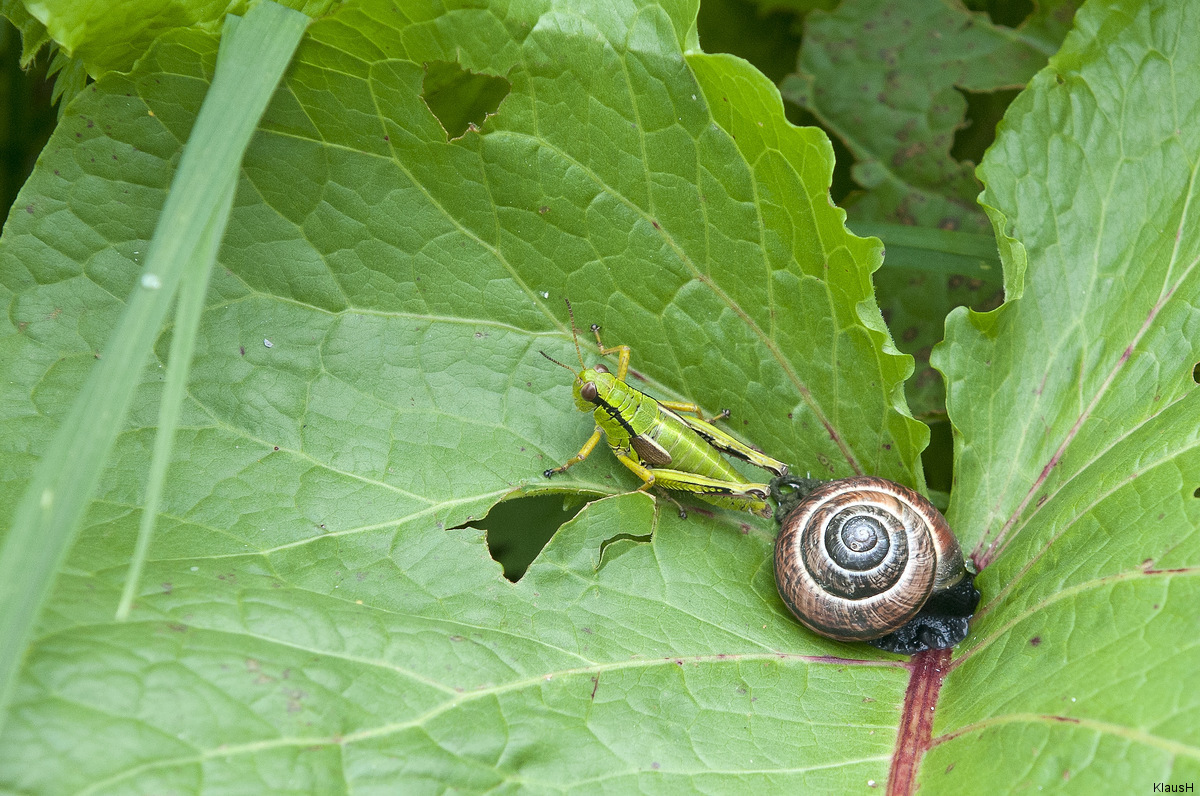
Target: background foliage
319, 614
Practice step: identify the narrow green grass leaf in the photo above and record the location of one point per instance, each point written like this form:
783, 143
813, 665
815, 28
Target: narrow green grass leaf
50, 510
192, 290
942, 250
926, 272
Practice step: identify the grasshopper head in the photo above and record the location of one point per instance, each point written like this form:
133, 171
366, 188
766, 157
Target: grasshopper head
591, 385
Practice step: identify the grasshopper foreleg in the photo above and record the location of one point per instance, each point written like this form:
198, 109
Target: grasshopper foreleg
584, 452
622, 351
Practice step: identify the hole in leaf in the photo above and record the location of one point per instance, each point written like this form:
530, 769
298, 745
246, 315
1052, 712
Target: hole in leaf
769, 38
1196, 373
621, 543
460, 99
938, 457
518, 529
30, 98
984, 111
1196, 494
1009, 13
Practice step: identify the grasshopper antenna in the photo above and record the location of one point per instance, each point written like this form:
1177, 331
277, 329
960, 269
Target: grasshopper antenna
556, 362
574, 335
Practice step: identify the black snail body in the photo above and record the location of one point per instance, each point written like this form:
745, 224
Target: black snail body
866, 559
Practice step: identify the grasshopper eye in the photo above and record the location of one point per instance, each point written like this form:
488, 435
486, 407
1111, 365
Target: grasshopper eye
589, 392
600, 368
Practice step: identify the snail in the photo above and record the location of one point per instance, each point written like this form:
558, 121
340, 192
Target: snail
866, 559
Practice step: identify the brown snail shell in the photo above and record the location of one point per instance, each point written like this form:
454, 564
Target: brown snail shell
859, 557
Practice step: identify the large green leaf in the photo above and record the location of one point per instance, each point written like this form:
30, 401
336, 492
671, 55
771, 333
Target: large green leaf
89, 38
1076, 407
367, 379
110, 35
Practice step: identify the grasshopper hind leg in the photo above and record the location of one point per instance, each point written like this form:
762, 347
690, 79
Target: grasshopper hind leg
693, 409
682, 511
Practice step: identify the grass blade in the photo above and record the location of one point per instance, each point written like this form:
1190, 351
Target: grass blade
969, 254
183, 342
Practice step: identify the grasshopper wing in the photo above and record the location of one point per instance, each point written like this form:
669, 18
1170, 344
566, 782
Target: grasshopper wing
650, 451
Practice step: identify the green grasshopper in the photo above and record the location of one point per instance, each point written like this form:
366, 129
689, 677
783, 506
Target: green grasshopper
661, 446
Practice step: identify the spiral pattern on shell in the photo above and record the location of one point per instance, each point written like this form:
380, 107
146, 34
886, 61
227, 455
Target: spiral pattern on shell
858, 557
